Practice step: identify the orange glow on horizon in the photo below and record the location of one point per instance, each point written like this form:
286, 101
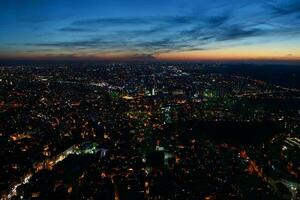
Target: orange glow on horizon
229, 54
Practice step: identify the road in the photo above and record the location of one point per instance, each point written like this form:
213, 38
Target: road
86, 148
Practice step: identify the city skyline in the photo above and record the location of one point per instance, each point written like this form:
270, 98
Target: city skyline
151, 30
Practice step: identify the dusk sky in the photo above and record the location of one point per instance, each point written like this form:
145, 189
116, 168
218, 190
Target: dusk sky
150, 29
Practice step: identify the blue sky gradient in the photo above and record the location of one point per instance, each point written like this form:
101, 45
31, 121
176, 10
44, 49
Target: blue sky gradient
156, 29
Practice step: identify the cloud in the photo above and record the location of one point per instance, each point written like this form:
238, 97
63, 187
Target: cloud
218, 20
151, 20
109, 21
77, 29
150, 35
158, 34
238, 32
284, 7
142, 57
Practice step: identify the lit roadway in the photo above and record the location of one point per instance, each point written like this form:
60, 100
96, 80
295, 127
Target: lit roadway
293, 187
284, 89
50, 163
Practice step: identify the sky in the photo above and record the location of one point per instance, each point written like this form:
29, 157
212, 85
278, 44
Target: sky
150, 29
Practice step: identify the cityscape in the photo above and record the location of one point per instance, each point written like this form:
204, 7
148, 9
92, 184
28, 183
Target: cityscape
139, 131
189, 100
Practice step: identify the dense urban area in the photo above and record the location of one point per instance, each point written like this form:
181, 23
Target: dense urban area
149, 131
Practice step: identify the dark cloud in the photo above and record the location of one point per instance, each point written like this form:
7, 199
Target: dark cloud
237, 32
142, 57
70, 44
77, 29
284, 7
110, 21
218, 20
152, 20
